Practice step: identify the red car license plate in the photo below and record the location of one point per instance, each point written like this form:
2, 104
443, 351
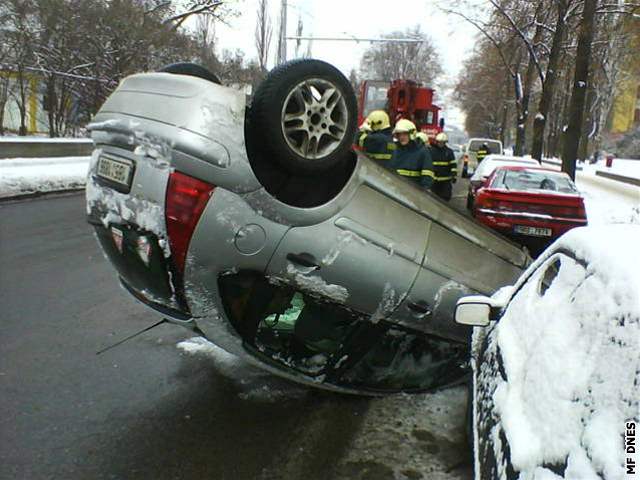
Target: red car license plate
533, 231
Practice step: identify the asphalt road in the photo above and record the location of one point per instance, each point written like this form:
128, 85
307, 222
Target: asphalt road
147, 410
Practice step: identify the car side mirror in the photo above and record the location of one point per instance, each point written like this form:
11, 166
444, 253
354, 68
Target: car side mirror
475, 310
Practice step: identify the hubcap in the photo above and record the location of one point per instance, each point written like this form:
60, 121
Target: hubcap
314, 118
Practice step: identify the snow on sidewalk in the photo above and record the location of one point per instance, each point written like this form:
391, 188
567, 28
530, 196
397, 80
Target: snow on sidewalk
608, 201
21, 176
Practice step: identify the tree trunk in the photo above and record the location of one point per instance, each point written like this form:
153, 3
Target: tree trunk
530, 76
587, 125
578, 96
548, 87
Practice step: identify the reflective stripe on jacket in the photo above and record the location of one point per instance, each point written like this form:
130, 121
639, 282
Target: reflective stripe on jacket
481, 153
412, 161
445, 165
377, 145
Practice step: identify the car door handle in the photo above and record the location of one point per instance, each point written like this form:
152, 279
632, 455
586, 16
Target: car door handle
421, 307
304, 259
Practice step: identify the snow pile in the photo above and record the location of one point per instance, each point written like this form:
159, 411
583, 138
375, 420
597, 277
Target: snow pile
47, 139
21, 176
254, 384
571, 359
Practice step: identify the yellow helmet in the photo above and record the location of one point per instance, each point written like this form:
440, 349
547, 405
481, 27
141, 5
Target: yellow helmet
378, 120
423, 137
442, 137
405, 126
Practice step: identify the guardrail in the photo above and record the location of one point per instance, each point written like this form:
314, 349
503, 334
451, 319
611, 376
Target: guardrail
26, 147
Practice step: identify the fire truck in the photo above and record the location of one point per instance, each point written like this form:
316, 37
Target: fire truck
401, 99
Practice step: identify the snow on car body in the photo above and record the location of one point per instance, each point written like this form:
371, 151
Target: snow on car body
557, 378
341, 276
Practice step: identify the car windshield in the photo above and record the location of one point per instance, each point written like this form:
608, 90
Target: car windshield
494, 147
527, 180
375, 98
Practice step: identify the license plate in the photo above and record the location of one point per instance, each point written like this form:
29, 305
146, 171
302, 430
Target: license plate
533, 231
116, 170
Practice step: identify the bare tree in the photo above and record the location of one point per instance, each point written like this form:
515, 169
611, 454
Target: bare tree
416, 61
581, 77
264, 32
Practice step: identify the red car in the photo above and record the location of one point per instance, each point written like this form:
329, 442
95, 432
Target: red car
532, 205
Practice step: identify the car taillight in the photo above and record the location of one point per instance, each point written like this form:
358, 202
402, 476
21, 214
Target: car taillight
186, 199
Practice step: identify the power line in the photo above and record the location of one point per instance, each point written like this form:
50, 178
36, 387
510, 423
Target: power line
355, 39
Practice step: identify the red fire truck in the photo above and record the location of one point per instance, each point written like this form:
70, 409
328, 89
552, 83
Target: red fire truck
401, 99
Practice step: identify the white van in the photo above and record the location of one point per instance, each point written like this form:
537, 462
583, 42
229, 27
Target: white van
470, 158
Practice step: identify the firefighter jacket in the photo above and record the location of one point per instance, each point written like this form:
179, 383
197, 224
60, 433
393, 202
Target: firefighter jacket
481, 153
445, 165
377, 145
412, 161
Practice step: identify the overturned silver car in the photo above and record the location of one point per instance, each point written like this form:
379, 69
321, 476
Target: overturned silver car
260, 227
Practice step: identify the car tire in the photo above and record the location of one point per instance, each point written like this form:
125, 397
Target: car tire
191, 69
304, 116
469, 202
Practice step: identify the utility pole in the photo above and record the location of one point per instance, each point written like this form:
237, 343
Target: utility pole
282, 36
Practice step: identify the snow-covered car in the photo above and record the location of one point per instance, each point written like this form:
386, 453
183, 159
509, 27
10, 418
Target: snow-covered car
260, 227
556, 378
486, 168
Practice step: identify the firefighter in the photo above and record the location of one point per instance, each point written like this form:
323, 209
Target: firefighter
422, 138
445, 167
411, 159
482, 152
375, 136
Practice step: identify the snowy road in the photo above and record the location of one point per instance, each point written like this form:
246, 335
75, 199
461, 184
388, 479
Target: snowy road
149, 409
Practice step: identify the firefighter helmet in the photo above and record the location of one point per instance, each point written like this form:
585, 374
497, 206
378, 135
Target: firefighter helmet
378, 120
405, 126
442, 137
423, 137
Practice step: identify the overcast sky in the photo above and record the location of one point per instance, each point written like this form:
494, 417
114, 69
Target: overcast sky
358, 18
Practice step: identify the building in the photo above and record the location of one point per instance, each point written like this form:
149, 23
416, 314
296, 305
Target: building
36, 120
625, 113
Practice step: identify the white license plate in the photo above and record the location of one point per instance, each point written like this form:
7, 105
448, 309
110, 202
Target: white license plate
116, 170
533, 231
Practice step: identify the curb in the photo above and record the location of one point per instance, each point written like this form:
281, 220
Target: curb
31, 195
619, 178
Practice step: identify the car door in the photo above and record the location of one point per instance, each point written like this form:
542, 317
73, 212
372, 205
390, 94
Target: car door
529, 318
366, 257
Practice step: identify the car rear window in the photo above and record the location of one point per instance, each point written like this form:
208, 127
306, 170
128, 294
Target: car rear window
526, 180
487, 167
494, 147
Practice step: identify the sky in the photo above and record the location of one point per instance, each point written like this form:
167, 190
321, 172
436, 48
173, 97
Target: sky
361, 19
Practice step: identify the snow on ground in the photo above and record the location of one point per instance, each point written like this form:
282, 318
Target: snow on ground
608, 201
620, 166
19, 176
34, 139
401, 436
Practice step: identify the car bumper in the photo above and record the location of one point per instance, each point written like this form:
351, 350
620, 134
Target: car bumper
505, 222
